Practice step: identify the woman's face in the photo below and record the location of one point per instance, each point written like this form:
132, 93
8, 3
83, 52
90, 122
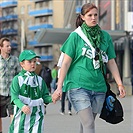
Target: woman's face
91, 17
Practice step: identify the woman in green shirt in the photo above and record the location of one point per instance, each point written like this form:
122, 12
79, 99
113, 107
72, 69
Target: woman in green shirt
81, 67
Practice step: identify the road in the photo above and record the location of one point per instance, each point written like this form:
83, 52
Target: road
56, 123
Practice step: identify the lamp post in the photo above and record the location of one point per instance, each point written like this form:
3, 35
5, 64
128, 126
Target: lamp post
22, 35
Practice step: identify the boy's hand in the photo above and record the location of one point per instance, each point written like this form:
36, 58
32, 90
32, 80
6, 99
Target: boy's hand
26, 109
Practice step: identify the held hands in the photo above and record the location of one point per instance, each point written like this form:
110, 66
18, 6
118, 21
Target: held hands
56, 95
26, 109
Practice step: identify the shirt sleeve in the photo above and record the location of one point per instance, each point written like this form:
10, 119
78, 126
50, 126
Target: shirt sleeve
110, 46
15, 93
69, 47
111, 50
45, 93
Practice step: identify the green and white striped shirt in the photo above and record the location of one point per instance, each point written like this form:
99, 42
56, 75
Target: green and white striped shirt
28, 89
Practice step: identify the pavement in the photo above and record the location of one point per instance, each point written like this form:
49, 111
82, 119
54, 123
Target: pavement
57, 123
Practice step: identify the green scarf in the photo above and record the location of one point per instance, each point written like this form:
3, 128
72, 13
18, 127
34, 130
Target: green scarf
93, 34
30, 87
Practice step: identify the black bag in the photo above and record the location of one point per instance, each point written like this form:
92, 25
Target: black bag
112, 111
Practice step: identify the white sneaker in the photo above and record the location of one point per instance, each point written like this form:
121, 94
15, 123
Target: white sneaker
69, 112
62, 113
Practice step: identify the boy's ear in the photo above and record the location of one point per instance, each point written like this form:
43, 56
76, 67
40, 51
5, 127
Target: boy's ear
21, 64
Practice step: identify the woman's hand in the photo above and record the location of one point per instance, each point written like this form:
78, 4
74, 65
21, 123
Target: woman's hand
122, 91
56, 95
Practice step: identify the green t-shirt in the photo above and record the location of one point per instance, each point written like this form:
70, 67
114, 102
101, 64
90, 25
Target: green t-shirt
81, 72
54, 73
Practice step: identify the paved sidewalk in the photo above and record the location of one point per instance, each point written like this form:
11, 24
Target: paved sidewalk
56, 123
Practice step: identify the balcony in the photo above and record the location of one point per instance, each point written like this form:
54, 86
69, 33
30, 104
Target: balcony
38, 0
8, 4
33, 43
40, 26
9, 32
9, 17
46, 57
41, 12
14, 45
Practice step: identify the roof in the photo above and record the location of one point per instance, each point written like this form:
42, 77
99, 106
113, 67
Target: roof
59, 35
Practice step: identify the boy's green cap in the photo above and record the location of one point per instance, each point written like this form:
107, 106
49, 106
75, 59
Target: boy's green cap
27, 55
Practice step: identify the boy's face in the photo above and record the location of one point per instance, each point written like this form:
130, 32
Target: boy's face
29, 65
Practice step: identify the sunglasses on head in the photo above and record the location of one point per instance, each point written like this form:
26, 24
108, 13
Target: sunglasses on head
97, 51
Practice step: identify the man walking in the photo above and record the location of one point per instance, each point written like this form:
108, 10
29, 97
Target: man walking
9, 67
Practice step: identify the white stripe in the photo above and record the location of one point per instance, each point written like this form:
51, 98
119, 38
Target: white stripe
30, 102
35, 128
17, 121
22, 81
27, 122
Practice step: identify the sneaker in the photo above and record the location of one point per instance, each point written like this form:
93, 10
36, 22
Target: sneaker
62, 113
69, 112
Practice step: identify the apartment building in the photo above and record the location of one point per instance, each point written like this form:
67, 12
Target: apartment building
25, 21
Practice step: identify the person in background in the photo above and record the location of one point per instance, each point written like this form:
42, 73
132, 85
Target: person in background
28, 95
9, 67
54, 74
38, 66
86, 50
64, 93
45, 73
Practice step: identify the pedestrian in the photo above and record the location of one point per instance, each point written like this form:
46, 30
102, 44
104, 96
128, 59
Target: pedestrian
28, 94
38, 66
45, 73
9, 67
86, 50
54, 74
64, 93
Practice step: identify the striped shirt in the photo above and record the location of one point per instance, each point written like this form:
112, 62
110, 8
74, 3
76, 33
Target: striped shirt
28, 89
9, 67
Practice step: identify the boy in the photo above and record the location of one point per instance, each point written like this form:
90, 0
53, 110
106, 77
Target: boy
28, 94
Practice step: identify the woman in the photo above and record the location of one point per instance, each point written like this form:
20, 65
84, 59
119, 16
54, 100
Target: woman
82, 67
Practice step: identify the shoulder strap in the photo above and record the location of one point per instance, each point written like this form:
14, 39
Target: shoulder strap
83, 36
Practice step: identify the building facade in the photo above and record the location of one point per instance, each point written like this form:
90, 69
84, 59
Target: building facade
23, 20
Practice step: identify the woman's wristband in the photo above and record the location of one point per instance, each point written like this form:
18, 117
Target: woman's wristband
121, 86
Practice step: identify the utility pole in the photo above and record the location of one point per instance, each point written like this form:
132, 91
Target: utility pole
22, 35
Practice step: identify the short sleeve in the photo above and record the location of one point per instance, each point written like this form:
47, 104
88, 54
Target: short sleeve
69, 47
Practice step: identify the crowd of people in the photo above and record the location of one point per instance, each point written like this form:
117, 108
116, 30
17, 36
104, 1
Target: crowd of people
26, 85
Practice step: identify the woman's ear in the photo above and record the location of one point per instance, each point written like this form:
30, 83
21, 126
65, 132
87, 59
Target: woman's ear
82, 17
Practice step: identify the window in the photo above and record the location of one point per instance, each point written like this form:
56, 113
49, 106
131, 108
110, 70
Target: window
22, 9
29, 7
130, 5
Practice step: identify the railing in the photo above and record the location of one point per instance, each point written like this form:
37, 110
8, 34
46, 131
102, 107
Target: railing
38, 12
8, 4
9, 17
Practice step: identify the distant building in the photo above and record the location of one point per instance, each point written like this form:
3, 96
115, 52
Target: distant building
23, 22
